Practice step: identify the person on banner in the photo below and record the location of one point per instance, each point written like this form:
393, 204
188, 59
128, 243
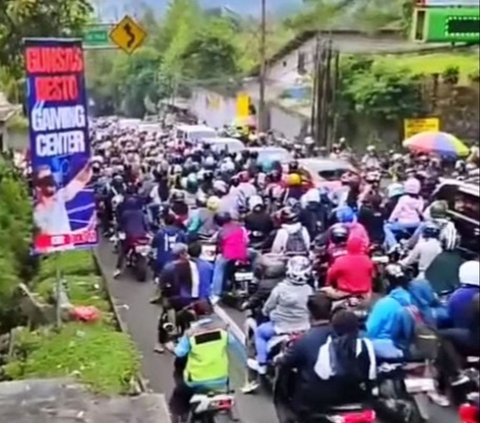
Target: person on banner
50, 210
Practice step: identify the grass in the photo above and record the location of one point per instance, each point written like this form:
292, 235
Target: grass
467, 62
96, 354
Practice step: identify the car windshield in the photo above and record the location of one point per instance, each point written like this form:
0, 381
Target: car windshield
279, 155
329, 171
230, 146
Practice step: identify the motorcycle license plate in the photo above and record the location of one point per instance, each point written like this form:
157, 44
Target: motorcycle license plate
142, 249
243, 276
419, 384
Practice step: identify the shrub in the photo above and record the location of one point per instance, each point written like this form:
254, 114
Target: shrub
78, 262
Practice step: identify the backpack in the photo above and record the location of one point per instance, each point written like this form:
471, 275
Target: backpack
425, 339
295, 243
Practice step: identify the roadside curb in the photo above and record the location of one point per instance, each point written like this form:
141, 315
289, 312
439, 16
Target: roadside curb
141, 381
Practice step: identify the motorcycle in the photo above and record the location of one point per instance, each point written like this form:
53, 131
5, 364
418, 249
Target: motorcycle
210, 408
345, 413
139, 257
403, 392
240, 285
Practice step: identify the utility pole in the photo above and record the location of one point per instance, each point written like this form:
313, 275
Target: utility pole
263, 68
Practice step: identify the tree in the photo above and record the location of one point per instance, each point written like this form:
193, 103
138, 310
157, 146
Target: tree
37, 18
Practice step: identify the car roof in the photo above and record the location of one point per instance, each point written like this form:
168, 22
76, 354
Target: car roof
324, 164
469, 188
268, 149
192, 128
224, 140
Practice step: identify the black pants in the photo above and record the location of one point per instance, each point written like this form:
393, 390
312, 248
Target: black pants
180, 399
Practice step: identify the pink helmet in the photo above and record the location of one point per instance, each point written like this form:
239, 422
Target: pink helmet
412, 186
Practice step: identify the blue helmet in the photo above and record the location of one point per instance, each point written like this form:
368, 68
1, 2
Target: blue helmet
345, 215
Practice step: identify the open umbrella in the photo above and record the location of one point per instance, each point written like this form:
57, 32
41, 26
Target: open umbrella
440, 143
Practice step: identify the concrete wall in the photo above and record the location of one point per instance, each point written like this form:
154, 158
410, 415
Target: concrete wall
289, 124
217, 110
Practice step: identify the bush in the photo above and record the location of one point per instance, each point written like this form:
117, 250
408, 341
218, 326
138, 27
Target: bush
103, 359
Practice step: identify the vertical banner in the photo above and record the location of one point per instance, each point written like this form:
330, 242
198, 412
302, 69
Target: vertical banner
64, 205
243, 106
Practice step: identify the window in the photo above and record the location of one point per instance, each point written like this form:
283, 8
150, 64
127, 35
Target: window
301, 63
467, 205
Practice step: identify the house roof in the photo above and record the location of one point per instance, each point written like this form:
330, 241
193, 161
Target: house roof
387, 40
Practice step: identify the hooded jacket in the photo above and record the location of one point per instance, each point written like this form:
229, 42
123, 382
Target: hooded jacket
281, 239
353, 272
390, 320
287, 306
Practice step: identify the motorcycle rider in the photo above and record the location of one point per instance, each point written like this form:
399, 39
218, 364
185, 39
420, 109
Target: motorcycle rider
346, 216
292, 237
351, 274
389, 325
258, 220
232, 245
408, 212
426, 250
312, 214
372, 217
458, 304
133, 223
337, 247
167, 236
201, 361
178, 206
294, 188
202, 222
287, 309
370, 160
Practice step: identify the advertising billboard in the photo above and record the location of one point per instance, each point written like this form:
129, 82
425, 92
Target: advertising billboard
64, 204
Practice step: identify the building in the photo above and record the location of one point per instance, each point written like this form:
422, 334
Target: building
289, 78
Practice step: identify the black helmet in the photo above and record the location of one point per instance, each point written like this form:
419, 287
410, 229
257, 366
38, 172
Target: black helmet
431, 230
339, 234
253, 154
178, 197
289, 215
222, 218
438, 210
293, 166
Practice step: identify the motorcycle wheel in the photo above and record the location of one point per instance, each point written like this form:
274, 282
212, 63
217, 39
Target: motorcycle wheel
141, 268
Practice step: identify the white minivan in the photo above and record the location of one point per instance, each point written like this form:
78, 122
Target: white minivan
194, 133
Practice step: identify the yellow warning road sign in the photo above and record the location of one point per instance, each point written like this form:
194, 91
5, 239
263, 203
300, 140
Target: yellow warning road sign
128, 35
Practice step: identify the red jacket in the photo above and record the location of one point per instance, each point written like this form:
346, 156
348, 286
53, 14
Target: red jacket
353, 272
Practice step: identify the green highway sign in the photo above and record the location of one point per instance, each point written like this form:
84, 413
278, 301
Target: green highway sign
98, 37
456, 24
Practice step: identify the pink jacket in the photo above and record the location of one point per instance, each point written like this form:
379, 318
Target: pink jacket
408, 210
234, 242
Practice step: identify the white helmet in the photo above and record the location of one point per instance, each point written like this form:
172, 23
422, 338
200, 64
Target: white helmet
254, 201
469, 273
299, 270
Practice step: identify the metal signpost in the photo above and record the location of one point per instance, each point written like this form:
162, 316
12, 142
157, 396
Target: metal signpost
454, 21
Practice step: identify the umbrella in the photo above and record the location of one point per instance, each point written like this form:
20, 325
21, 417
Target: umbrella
436, 142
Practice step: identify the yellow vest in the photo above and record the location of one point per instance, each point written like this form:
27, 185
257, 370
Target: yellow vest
208, 358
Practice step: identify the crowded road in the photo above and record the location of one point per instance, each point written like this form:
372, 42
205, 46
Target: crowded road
132, 299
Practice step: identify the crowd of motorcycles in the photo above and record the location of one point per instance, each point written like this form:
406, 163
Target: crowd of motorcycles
135, 160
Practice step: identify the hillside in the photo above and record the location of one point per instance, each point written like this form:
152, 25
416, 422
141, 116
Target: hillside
115, 9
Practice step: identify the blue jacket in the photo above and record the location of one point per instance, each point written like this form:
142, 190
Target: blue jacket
425, 299
205, 270
134, 223
164, 241
390, 320
460, 306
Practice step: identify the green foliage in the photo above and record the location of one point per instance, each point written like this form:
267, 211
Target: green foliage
451, 75
79, 262
377, 92
104, 359
37, 18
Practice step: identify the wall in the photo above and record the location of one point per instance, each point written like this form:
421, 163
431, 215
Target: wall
217, 110
290, 124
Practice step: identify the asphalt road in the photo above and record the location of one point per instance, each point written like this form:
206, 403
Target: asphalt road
132, 299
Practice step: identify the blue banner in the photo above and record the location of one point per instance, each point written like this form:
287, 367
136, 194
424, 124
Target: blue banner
64, 203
